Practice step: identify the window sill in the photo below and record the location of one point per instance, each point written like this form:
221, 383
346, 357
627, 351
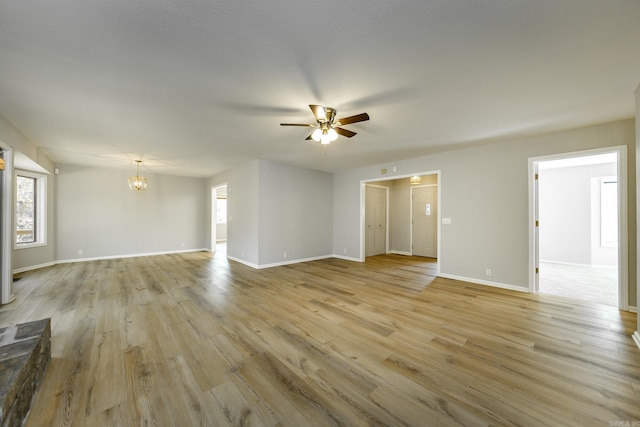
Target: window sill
29, 245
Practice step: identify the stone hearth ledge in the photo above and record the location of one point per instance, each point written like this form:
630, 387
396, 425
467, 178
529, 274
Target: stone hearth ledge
25, 351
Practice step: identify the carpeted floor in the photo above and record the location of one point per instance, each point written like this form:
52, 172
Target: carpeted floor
596, 284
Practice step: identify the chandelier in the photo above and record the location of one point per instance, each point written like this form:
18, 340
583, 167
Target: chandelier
138, 182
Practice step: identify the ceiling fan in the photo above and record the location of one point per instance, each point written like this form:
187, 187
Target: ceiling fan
328, 127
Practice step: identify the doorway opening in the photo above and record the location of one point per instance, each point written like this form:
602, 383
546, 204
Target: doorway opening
404, 228
219, 219
580, 248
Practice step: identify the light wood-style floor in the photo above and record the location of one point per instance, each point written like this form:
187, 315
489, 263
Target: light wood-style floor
195, 339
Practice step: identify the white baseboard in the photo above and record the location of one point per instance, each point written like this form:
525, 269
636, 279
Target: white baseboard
293, 261
346, 258
99, 258
277, 264
242, 261
400, 253
485, 282
632, 309
636, 338
33, 267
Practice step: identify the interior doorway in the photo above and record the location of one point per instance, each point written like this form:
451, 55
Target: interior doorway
219, 218
399, 230
579, 249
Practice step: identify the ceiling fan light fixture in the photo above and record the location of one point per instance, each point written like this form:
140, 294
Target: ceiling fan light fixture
316, 135
415, 180
326, 137
327, 127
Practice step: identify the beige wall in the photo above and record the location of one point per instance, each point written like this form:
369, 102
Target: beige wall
22, 147
485, 193
97, 214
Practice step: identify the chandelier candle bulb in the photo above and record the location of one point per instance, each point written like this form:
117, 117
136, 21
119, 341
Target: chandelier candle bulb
137, 182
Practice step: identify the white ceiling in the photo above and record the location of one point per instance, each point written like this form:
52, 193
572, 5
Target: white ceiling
195, 87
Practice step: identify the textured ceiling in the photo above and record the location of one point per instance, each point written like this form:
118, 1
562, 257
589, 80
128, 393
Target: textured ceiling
195, 87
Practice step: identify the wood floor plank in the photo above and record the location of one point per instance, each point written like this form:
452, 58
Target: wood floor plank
105, 390
197, 339
234, 408
143, 388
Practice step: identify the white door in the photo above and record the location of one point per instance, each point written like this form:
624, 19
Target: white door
424, 226
375, 201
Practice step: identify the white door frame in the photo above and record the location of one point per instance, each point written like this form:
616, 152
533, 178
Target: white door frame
437, 214
623, 241
386, 226
364, 182
6, 251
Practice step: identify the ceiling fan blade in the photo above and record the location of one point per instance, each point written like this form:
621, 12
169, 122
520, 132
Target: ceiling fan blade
345, 132
297, 124
308, 138
353, 119
318, 111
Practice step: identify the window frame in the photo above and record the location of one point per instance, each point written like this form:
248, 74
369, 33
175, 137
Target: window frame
225, 219
40, 219
607, 241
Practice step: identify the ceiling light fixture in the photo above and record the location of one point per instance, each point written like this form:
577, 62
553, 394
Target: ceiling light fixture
138, 182
328, 128
415, 180
324, 134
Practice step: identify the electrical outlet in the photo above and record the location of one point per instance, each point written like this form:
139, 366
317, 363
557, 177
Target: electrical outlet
345, 250
487, 272
284, 255
79, 251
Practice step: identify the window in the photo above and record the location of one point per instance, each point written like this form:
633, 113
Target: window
221, 210
609, 213
30, 209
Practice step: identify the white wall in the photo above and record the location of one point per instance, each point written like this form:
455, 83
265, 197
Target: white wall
566, 217
485, 193
275, 208
42, 255
97, 214
296, 213
243, 191
27, 258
